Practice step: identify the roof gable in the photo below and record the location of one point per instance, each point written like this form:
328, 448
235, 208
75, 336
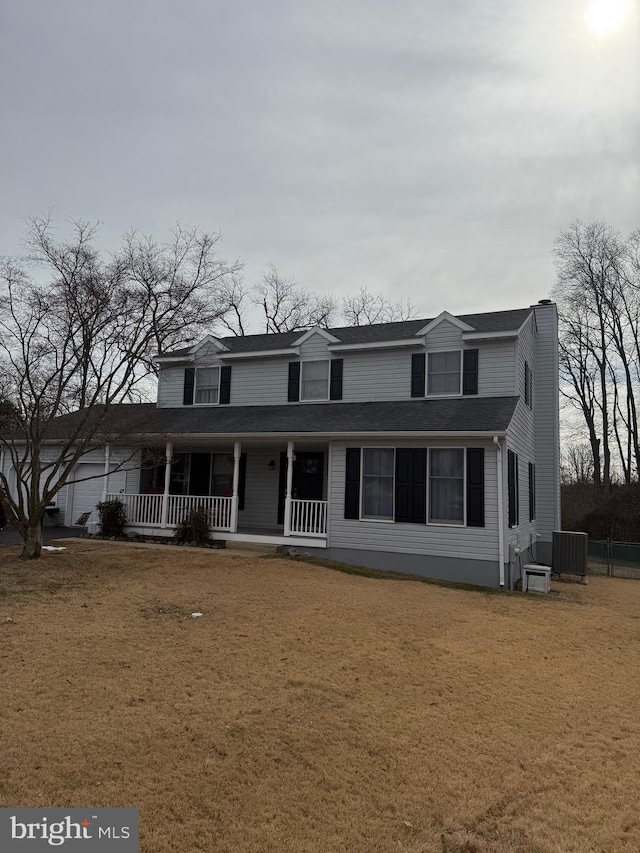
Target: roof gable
317, 330
448, 318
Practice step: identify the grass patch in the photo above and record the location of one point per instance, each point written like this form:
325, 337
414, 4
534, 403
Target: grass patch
312, 710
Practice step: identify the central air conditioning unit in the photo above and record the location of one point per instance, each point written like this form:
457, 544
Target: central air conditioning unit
569, 553
536, 579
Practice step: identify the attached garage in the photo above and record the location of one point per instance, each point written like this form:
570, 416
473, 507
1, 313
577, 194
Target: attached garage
87, 494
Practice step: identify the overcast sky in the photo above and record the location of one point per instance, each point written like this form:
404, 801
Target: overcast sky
429, 150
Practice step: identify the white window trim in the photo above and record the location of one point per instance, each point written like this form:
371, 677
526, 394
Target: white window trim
455, 524
452, 393
195, 385
369, 518
315, 399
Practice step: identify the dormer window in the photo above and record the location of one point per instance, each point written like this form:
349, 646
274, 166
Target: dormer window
444, 371
207, 385
314, 380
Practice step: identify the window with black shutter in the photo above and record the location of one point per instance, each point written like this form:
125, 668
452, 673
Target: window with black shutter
293, 394
335, 385
470, 371
418, 362
475, 487
352, 483
411, 485
512, 487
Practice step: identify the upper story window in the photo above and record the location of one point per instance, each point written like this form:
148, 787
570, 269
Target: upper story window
444, 373
207, 385
314, 380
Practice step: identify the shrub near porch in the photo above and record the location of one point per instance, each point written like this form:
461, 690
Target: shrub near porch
310, 710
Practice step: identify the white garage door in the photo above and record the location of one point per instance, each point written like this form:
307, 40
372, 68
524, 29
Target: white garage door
88, 493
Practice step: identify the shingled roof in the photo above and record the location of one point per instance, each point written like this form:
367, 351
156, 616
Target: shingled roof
459, 415
494, 321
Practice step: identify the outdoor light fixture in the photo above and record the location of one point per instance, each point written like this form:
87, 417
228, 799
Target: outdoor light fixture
271, 466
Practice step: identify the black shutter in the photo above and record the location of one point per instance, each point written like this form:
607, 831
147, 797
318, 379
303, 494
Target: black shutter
475, 487
532, 491
225, 384
411, 485
189, 382
517, 492
352, 483
294, 382
470, 371
511, 486
242, 478
335, 389
418, 361
527, 385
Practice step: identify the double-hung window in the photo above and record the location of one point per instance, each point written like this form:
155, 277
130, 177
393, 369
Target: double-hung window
314, 380
444, 371
378, 465
207, 385
446, 486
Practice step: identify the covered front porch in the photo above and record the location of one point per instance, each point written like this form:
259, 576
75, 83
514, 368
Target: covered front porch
272, 493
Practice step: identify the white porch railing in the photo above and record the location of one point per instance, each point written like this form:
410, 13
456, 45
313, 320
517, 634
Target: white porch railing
141, 509
218, 509
146, 510
309, 518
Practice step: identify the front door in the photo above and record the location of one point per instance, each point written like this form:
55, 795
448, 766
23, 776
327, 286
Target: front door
308, 476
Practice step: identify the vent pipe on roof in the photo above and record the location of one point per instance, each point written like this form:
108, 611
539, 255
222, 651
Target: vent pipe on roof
544, 302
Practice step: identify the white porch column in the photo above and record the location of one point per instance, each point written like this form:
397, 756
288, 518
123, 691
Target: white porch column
107, 467
236, 482
168, 455
287, 500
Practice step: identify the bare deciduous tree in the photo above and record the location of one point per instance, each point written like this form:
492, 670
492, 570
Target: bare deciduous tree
79, 334
366, 308
288, 307
598, 294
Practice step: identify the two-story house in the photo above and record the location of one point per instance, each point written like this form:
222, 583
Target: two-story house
425, 446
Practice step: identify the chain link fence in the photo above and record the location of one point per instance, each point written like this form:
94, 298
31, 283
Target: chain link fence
613, 559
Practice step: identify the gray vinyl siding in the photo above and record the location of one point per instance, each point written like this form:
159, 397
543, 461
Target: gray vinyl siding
546, 410
445, 336
474, 543
377, 375
170, 386
368, 375
260, 382
521, 440
314, 347
261, 488
496, 361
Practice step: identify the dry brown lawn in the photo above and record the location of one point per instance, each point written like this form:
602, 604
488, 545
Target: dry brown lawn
310, 710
